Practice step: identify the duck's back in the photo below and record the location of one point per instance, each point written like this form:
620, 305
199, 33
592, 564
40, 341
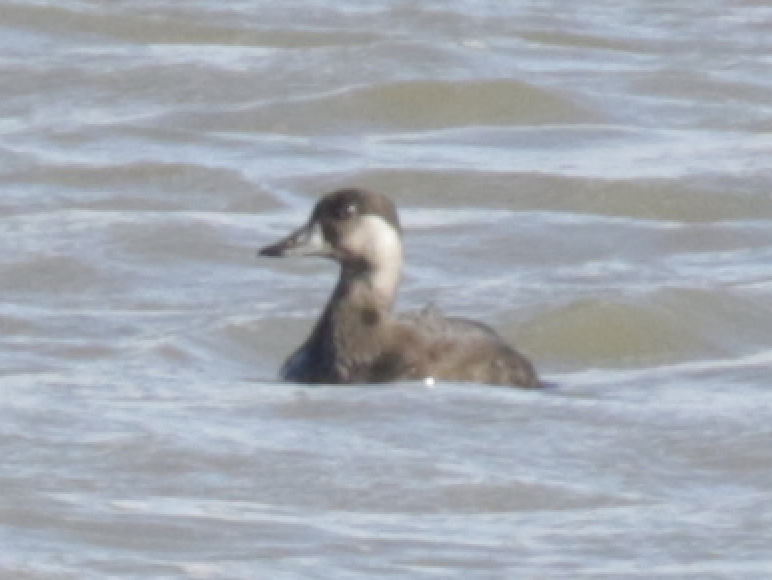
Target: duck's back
459, 349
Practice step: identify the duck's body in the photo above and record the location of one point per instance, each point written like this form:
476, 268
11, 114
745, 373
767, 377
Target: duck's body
357, 339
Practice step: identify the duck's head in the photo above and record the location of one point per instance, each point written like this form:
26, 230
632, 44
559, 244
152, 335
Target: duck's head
354, 227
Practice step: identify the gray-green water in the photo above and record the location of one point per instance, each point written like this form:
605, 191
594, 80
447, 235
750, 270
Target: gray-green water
592, 179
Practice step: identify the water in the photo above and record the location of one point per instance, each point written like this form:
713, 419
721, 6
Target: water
593, 180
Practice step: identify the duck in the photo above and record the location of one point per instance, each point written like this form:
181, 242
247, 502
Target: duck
358, 339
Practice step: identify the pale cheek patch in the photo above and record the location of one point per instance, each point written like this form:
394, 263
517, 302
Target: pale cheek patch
375, 239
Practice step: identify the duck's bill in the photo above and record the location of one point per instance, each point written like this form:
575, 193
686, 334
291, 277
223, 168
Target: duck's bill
307, 241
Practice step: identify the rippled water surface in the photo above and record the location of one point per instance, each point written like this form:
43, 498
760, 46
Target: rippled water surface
592, 179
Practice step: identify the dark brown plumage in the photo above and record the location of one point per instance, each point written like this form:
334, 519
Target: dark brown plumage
357, 339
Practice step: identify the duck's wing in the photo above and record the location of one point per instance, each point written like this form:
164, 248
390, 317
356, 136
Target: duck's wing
460, 349
433, 325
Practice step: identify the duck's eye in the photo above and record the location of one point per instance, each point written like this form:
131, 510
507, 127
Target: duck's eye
346, 211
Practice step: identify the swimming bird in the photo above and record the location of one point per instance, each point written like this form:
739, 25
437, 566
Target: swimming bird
358, 339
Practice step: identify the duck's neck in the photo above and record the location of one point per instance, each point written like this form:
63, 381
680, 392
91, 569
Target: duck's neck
361, 286
360, 303
351, 329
